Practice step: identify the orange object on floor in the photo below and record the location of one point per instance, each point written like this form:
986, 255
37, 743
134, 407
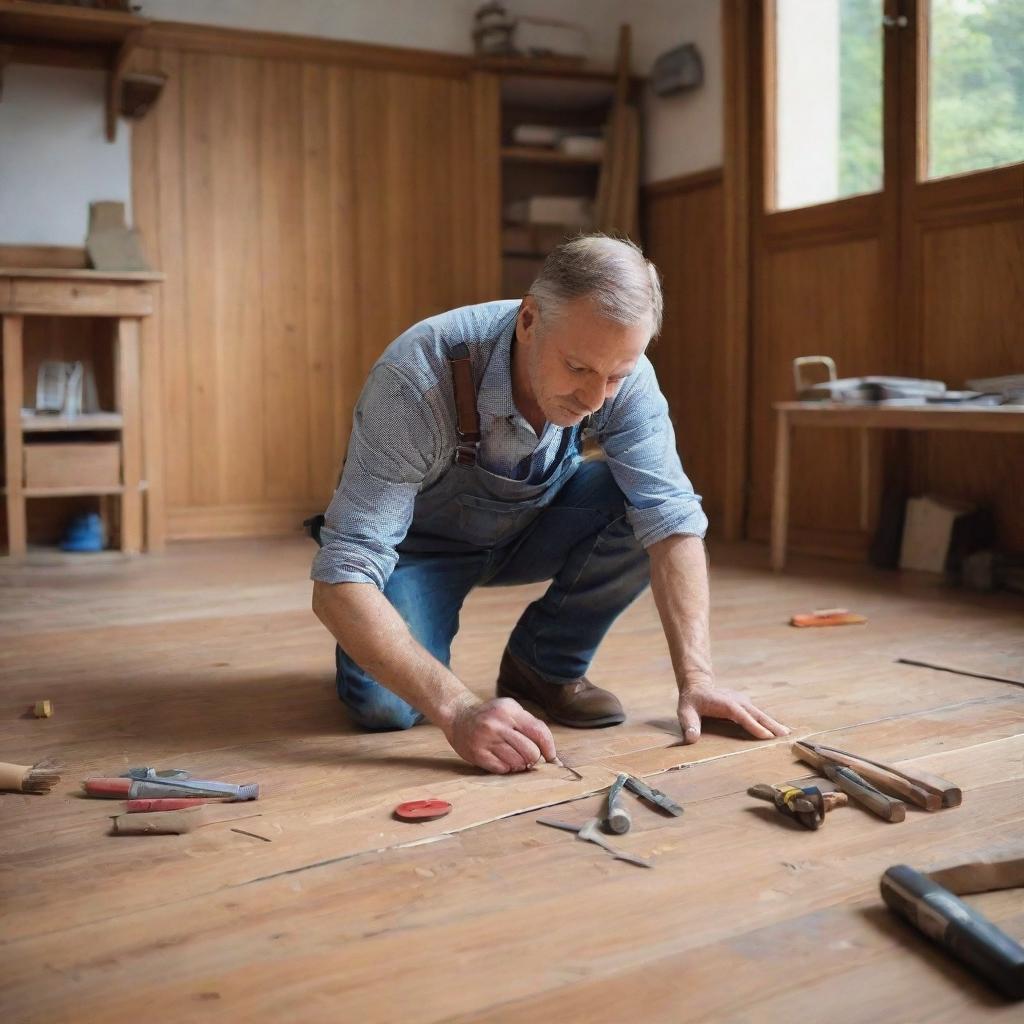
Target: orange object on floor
829, 617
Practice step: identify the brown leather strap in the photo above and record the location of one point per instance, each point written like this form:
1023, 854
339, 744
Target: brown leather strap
467, 417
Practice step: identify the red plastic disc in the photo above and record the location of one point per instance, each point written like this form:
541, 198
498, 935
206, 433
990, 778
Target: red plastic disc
422, 810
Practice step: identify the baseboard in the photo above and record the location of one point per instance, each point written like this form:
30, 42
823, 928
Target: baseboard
200, 522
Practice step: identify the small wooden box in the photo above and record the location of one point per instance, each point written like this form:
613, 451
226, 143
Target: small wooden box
63, 466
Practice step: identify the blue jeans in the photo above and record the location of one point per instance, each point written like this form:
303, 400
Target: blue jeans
582, 542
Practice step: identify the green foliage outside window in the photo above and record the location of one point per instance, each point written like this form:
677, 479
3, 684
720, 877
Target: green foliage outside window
976, 89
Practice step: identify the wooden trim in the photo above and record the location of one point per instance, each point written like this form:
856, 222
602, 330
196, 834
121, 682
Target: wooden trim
845, 545
61, 257
994, 189
766, 80
279, 46
842, 220
737, 203
684, 183
198, 522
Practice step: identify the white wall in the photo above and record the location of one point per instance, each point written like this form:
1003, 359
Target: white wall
683, 133
54, 156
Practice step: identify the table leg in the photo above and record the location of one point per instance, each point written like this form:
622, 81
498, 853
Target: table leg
129, 404
780, 501
867, 479
13, 447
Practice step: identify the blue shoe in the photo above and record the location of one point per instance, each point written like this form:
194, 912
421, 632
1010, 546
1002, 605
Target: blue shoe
84, 534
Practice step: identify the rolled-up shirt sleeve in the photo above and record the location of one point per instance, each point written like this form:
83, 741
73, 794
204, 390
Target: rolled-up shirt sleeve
395, 440
640, 446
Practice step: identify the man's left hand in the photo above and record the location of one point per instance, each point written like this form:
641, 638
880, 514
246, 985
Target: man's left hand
701, 700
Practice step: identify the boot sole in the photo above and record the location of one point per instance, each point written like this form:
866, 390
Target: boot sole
578, 723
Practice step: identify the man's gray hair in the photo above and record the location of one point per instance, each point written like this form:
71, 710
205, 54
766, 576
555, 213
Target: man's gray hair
614, 273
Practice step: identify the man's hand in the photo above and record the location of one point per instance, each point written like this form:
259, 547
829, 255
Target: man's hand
706, 700
499, 736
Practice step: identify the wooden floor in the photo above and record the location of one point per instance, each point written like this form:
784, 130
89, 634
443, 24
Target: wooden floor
208, 658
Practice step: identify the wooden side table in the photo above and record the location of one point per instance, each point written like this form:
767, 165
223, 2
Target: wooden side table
1001, 419
135, 425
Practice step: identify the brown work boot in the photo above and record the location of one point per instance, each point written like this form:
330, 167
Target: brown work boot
580, 703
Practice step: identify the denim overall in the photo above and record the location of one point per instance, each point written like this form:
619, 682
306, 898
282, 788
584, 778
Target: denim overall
475, 528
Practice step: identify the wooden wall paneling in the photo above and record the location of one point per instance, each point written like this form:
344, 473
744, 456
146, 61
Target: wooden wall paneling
318, 242
811, 300
243, 290
145, 177
971, 309
199, 136
159, 207
282, 237
485, 91
345, 307
740, 198
684, 238
305, 214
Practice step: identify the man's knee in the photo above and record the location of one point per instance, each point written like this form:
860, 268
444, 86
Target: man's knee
387, 716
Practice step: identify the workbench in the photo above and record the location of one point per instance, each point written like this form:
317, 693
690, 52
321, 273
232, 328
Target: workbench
1003, 419
55, 469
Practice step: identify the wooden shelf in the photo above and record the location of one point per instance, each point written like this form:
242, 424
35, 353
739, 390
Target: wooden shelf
40, 423
534, 154
65, 36
69, 492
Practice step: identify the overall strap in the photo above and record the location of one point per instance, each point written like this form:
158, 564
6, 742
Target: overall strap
466, 415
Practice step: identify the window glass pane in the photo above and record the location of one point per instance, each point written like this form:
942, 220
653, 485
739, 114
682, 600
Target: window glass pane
975, 85
828, 100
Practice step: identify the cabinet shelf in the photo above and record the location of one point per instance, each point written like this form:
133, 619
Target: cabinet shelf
41, 423
536, 155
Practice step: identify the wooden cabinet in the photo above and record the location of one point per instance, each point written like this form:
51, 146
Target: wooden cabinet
112, 453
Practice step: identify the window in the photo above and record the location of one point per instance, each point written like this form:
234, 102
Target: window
828, 100
975, 85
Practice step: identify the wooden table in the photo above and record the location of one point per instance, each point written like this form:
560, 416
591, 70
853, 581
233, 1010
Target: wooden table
1004, 419
125, 297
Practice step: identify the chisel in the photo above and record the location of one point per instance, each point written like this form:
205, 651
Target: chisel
653, 796
866, 795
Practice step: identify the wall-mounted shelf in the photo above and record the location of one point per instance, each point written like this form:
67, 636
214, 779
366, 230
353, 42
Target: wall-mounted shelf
41, 423
64, 36
534, 154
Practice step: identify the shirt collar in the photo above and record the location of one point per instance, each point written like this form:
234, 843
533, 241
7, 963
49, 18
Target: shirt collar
495, 394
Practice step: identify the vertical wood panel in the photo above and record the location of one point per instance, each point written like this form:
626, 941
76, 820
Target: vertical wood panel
282, 232
200, 131
345, 322
684, 239
235, 263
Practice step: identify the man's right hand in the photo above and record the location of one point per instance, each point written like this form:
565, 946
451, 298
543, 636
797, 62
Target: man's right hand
499, 736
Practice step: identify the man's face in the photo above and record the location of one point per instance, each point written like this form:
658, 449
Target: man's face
577, 361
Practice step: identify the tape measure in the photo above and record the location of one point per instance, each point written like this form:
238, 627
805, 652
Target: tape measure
422, 810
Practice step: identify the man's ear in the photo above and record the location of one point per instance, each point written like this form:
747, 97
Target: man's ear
526, 324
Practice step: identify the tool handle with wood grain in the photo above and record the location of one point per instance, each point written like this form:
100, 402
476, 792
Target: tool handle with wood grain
949, 794
956, 926
881, 777
866, 795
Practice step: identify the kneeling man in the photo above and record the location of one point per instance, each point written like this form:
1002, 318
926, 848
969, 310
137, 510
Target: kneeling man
465, 469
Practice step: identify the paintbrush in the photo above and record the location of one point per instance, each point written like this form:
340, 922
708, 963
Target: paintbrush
40, 777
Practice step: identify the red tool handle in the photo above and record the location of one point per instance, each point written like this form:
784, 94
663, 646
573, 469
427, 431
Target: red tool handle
112, 789
164, 804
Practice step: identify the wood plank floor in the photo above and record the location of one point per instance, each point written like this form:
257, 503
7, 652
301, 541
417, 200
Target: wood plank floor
208, 658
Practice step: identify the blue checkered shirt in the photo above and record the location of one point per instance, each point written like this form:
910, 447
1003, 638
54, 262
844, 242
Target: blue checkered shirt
404, 437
